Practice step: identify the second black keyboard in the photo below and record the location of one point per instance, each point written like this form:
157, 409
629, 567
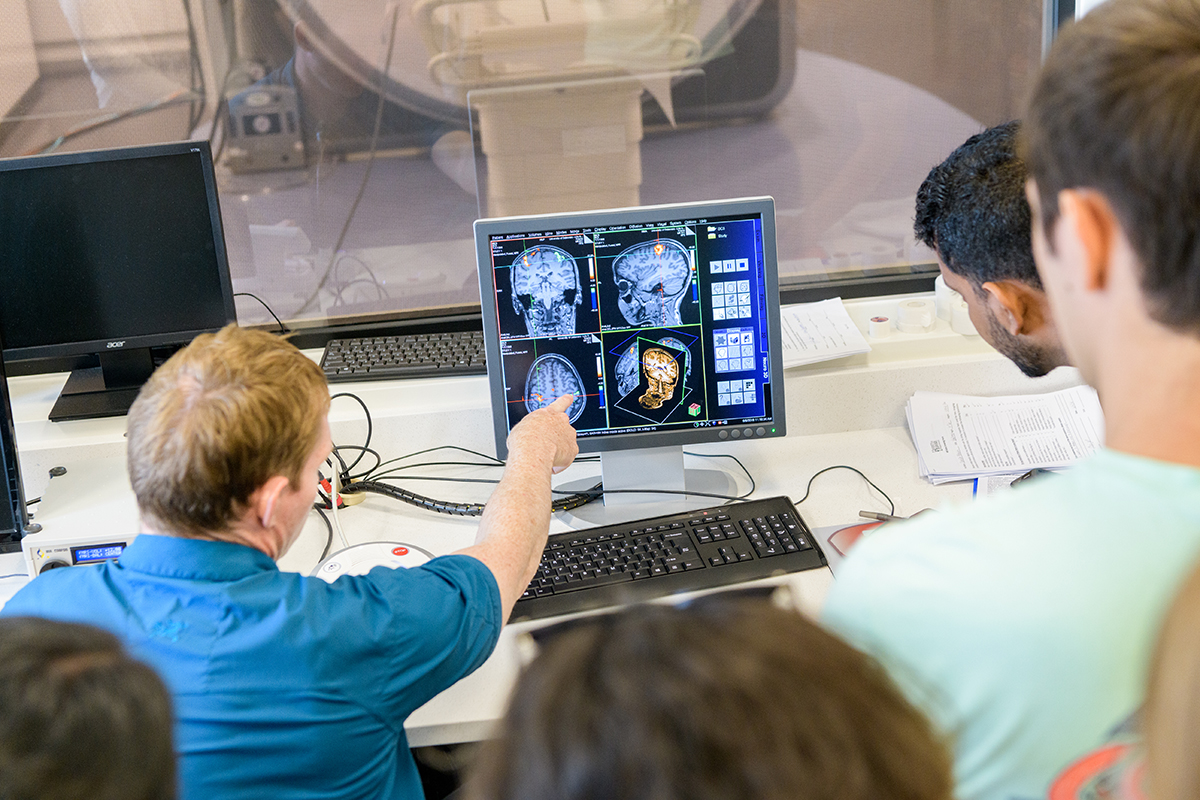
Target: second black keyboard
424, 355
719, 546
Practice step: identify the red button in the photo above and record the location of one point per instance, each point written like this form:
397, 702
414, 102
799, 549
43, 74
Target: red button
399, 551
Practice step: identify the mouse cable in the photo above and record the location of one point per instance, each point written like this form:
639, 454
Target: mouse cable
808, 489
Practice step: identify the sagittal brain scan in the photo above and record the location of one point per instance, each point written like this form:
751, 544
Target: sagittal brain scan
546, 290
550, 377
651, 279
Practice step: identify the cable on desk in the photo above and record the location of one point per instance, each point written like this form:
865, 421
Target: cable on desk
15, 575
366, 445
808, 489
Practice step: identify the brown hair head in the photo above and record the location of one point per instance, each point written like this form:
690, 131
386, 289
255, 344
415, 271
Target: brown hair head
215, 422
79, 718
721, 700
1116, 109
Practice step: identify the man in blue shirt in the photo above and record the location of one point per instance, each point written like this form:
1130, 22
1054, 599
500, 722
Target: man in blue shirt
286, 686
1024, 625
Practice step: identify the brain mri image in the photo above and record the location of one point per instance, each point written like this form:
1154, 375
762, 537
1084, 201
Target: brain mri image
627, 365
627, 370
662, 373
671, 341
546, 290
651, 279
550, 377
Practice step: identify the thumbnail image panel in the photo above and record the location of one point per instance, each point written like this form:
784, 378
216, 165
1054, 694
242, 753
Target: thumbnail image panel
653, 377
647, 280
539, 371
544, 289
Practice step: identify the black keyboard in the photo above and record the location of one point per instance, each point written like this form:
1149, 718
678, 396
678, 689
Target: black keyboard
423, 355
643, 559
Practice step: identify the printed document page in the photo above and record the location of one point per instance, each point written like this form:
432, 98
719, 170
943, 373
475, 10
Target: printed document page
821, 331
959, 437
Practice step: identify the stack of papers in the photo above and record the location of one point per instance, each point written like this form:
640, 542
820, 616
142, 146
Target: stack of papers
959, 437
821, 331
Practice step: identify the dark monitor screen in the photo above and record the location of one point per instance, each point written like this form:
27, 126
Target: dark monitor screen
662, 320
107, 252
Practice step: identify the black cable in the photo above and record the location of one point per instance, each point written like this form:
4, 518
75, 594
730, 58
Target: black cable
28, 503
574, 500
753, 484
493, 461
374, 278
194, 69
329, 527
362, 187
106, 119
365, 451
365, 445
808, 489
282, 328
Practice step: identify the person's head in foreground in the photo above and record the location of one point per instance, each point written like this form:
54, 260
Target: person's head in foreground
1112, 145
719, 699
79, 718
226, 438
971, 210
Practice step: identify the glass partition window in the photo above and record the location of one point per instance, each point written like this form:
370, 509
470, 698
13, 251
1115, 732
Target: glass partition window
357, 140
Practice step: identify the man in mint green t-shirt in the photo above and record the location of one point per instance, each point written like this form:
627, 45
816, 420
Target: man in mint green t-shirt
1024, 625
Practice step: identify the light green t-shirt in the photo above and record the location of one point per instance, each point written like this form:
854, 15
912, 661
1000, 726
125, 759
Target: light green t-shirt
1023, 625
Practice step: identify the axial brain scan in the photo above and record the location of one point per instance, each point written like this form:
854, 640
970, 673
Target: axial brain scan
550, 377
652, 278
661, 372
546, 290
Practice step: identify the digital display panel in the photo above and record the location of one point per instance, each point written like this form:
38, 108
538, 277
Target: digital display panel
658, 320
99, 552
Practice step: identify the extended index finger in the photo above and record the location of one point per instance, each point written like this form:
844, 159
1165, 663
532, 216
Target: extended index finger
562, 403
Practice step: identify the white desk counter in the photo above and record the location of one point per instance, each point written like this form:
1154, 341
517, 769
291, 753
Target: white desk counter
848, 412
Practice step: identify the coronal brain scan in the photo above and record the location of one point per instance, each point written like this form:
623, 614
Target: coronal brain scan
652, 278
546, 290
662, 372
550, 377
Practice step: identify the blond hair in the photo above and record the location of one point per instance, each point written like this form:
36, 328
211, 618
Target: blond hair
215, 422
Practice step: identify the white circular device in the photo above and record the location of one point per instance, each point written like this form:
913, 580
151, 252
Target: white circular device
360, 559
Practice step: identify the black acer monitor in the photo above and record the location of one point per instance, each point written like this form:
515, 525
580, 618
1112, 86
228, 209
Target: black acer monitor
663, 321
115, 254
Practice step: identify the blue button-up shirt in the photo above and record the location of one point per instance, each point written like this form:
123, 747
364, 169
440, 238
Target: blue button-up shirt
284, 686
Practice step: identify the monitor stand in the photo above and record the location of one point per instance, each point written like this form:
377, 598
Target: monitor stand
104, 391
642, 476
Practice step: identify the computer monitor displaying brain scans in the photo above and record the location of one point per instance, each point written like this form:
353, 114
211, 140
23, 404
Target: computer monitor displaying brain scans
662, 321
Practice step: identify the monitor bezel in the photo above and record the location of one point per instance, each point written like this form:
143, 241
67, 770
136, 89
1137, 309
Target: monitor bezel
764, 206
87, 347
